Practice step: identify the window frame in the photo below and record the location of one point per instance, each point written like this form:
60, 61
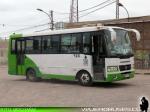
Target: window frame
50, 36
42, 37
71, 37
11, 50
32, 38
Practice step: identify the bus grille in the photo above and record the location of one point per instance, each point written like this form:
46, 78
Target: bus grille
124, 67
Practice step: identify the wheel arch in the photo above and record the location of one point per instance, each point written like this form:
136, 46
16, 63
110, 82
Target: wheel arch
82, 70
29, 68
37, 71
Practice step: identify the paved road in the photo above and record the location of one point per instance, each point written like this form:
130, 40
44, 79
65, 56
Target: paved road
16, 91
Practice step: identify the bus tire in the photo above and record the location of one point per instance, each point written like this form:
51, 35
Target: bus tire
31, 76
84, 78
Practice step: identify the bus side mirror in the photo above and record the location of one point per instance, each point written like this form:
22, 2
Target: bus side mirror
138, 36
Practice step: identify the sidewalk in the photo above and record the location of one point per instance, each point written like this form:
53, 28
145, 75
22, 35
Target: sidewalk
142, 71
3, 66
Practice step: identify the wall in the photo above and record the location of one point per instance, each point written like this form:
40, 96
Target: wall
3, 52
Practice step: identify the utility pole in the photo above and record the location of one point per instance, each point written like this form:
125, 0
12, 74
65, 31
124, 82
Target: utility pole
117, 9
50, 16
52, 19
74, 11
77, 11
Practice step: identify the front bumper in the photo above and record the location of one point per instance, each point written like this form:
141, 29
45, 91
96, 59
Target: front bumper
119, 76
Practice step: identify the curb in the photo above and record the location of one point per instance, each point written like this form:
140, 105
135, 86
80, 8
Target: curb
148, 73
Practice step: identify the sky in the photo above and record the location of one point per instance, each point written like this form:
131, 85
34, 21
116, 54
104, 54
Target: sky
20, 14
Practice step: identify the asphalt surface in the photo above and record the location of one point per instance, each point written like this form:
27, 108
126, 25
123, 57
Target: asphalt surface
16, 91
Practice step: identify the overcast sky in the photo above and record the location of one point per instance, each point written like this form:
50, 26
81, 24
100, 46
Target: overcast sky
18, 14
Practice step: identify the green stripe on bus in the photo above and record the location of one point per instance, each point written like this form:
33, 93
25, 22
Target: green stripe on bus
58, 76
119, 76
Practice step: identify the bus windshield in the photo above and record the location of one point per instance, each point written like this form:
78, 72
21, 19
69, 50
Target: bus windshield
121, 46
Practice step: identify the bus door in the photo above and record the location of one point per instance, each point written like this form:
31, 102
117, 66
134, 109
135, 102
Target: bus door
20, 56
98, 51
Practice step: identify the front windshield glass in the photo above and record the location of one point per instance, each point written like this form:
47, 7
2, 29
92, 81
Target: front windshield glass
120, 46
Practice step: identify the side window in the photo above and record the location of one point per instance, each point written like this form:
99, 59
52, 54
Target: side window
71, 43
46, 44
65, 43
50, 44
87, 43
33, 45
13, 46
29, 45
18, 47
55, 41
76, 43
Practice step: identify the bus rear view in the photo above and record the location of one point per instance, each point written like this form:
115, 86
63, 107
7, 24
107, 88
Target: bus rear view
90, 54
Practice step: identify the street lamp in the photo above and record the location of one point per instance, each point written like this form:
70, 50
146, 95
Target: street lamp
50, 16
121, 5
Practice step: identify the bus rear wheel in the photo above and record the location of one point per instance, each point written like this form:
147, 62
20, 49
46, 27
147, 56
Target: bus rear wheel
31, 76
84, 78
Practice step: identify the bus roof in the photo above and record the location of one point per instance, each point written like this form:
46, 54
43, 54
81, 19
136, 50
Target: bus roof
65, 31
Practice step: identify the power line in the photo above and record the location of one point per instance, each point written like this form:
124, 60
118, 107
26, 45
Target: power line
95, 6
63, 13
42, 30
21, 25
97, 9
27, 28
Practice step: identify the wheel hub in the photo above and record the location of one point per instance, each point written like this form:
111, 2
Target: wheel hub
85, 78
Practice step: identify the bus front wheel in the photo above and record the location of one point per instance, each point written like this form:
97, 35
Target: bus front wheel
31, 76
84, 78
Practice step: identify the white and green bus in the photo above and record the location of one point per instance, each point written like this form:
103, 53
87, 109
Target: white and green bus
88, 54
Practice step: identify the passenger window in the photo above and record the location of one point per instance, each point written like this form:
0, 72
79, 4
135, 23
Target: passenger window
13, 46
86, 43
66, 43
18, 47
33, 45
55, 41
50, 45
76, 43
29, 45
46, 44
71, 43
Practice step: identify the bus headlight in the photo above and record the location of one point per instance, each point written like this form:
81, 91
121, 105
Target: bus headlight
112, 68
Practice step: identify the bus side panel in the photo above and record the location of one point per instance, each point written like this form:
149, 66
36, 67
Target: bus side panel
12, 64
63, 66
30, 64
